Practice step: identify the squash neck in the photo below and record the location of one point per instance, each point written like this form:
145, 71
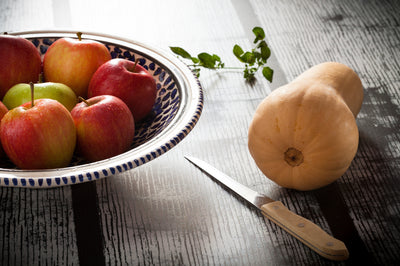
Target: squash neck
293, 157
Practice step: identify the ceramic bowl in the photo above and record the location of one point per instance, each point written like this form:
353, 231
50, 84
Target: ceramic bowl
177, 109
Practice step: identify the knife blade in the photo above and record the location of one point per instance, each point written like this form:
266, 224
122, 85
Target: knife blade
304, 230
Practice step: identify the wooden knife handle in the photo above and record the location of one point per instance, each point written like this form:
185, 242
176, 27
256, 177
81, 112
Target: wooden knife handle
305, 231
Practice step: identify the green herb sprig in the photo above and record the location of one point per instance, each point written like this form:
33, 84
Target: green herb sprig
253, 60
256, 58
205, 60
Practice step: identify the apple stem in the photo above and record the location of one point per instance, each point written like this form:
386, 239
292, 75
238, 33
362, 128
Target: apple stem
79, 34
32, 91
83, 100
134, 65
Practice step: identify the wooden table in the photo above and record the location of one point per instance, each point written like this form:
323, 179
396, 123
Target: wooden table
167, 212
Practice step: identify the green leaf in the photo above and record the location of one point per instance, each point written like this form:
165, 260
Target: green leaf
196, 72
181, 52
238, 51
253, 60
246, 73
216, 58
195, 60
248, 57
257, 55
249, 73
259, 33
206, 60
218, 62
268, 73
265, 51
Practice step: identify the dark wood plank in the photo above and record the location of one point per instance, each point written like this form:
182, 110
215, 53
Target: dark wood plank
168, 212
89, 239
36, 227
365, 35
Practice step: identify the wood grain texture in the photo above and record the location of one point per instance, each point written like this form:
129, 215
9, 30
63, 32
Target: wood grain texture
36, 227
176, 215
168, 212
25, 15
365, 36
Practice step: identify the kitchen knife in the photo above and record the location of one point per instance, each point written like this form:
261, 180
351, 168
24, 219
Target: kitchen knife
299, 227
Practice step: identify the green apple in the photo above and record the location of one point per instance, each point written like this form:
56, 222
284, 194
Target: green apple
21, 93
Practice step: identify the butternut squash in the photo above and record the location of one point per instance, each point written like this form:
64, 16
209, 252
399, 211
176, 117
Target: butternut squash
304, 134
339, 77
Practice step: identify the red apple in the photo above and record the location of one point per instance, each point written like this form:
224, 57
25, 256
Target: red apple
39, 136
105, 127
20, 62
128, 81
3, 111
73, 62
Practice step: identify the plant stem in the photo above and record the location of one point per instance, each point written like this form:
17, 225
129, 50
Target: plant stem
32, 92
79, 34
234, 67
193, 65
134, 66
83, 100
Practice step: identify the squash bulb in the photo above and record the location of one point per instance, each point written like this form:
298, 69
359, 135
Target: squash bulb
303, 135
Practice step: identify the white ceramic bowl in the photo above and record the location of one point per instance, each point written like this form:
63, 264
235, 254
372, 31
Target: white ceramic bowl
178, 107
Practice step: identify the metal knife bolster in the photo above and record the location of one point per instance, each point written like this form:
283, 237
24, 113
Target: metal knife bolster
260, 200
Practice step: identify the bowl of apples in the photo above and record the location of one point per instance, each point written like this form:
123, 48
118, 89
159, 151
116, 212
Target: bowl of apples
78, 107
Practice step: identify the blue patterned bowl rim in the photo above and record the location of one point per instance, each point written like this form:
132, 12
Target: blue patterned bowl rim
183, 122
